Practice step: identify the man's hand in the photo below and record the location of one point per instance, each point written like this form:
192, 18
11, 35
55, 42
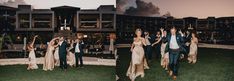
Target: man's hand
161, 29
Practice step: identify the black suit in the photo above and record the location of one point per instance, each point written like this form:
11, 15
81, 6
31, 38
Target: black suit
63, 55
174, 54
78, 55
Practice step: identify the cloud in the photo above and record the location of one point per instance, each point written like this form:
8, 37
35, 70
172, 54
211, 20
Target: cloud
14, 3
120, 6
142, 8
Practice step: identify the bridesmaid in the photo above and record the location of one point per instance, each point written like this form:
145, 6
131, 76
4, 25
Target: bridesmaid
49, 57
70, 55
32, 57
165, 55
192, 56
138, 62
56, 55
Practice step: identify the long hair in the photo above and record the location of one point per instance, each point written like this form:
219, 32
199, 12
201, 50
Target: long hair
137, 30
195, 33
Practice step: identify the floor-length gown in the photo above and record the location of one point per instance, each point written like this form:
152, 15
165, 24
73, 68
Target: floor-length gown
32, 60
193, 52
163, 47
49, 59
71, 57
56, 56
138, 62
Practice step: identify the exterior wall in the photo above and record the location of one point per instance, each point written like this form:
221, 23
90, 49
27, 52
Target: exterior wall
210, 30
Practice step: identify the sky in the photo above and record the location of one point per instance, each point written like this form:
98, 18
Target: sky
177, 8
195, 8
84, 4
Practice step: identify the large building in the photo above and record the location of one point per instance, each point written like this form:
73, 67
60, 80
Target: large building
96, 24
210, 30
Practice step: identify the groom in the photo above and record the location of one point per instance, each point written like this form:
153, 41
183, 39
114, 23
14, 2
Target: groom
63, 53
174, 47
78, 47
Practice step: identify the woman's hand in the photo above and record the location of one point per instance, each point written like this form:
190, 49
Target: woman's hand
36, 36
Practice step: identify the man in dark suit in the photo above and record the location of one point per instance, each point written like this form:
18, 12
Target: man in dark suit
78, 47
148, 47
174, 47
63, 53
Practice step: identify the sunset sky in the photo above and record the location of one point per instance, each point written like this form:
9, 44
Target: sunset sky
84, 4
196, 8
177, 8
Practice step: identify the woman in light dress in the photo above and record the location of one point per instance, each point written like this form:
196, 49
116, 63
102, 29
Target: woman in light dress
70, 56
56, 55
49, 57
32, 57
192, 56
138, 62
165, 56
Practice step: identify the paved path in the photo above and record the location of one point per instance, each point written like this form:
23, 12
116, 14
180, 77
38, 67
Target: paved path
98, 61
86, 60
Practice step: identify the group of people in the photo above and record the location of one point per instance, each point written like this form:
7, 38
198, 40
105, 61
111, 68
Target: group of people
60, 52
171, 47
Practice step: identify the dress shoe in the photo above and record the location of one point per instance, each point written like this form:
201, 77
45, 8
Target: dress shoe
174, 77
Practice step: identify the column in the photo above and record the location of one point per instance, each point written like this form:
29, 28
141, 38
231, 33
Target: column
52, 20
17, 21
78, 21
30, 20
100, 20
114, 21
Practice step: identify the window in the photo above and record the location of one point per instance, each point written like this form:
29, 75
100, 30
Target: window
89, 20
107, 20
42, 20
24, 20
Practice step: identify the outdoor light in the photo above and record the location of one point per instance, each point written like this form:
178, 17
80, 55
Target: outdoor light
85, 36
18, 37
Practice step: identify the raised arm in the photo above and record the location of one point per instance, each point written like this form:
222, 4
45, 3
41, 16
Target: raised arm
156, 42
54, 39
34, 38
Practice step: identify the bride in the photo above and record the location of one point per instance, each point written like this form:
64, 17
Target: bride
138, 62
32, 57
49, 58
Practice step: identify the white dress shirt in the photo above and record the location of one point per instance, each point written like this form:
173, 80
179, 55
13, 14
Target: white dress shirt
60, 43
147, 40
77, 50
173, 42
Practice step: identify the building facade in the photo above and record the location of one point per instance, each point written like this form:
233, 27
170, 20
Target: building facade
209, 30
98, 24
95, 24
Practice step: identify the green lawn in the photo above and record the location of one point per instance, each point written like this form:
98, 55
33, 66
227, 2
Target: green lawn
212, 65
89, 73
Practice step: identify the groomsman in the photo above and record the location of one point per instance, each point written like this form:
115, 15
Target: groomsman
78, 47
148, 47
63, 53
174, 47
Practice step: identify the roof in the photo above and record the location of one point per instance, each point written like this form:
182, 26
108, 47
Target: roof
3, 7
65, 7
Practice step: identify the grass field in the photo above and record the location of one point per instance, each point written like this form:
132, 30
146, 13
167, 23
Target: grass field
212, 65
89, 73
